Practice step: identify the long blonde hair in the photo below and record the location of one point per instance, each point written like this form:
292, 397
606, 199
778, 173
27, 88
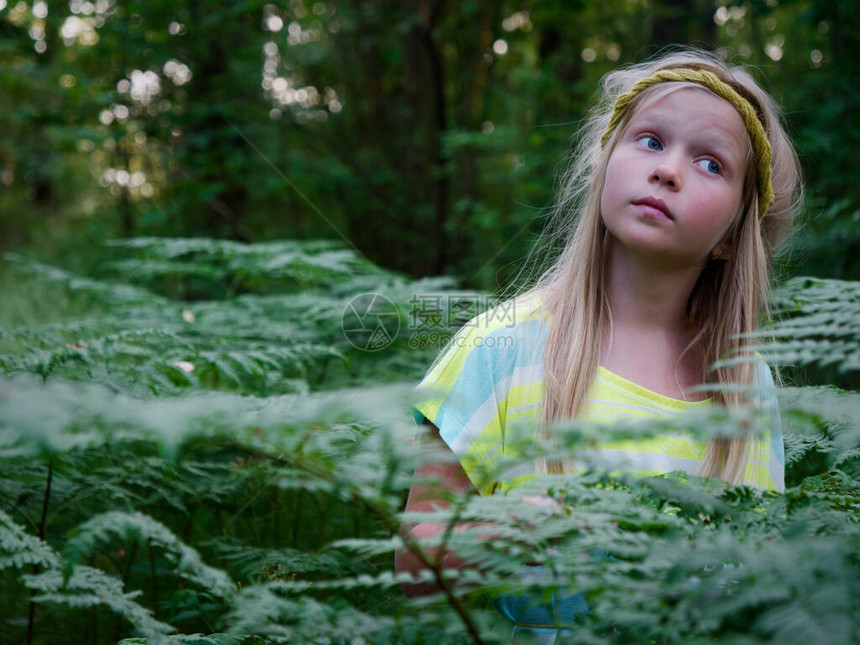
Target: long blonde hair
727, 298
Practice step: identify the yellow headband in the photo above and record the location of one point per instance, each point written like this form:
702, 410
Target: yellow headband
760, 143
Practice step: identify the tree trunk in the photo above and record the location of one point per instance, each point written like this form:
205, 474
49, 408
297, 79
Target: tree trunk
679, 22
431, 94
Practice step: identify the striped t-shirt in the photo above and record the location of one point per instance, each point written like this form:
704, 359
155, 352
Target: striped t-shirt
489, 384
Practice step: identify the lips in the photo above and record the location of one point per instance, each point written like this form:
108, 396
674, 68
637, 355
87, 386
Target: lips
655, 204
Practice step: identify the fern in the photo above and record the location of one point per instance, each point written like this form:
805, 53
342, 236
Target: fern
258, 564
113, 293
817, 323
180, 639
274, 612
19, 549
88, 587
136, 526
282, 461
238, 267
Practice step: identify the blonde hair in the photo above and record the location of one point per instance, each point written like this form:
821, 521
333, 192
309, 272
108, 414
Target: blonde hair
727, 298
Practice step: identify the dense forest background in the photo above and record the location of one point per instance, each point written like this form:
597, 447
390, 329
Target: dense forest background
203, 442
427, 136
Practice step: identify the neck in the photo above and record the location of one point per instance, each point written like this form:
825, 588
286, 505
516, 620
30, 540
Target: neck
647, 295
649, 330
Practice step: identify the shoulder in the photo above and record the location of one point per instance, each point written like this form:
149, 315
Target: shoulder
466, 394
770, 447
764, 389
762, 376
519, 315
504, 335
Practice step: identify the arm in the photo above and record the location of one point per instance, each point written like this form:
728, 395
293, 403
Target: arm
424, 497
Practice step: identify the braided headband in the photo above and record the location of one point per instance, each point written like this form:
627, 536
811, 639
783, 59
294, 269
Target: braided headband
760, 143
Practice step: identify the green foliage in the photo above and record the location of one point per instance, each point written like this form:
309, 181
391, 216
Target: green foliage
260, 343
19, 548
166, 264
816, 326
87, 587
431, 140
258, 498
131, 527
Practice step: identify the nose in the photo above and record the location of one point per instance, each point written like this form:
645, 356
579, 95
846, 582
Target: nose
667, 173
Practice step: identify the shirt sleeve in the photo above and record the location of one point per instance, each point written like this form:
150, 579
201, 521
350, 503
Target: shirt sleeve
766, 464
465, 398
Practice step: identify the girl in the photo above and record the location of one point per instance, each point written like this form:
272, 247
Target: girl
681, 188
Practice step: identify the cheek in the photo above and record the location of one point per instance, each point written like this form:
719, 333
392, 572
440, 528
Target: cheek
718, 213
609, 193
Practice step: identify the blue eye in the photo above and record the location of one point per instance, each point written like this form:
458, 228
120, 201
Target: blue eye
709, 165
652, 143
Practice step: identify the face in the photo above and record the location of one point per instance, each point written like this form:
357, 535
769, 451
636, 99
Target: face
674, 181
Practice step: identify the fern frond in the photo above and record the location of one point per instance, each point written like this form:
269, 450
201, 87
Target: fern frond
180, 639
368, 548
18, 548
815, 323
272, 611
256, 563
88, 587
256, 267
113, 292
139, 527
